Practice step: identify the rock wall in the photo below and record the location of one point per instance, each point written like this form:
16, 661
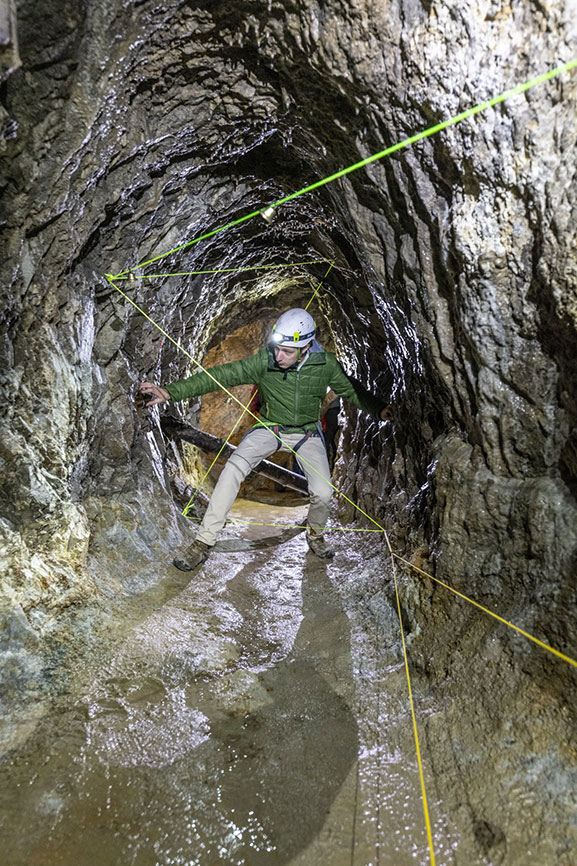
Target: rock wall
132, 127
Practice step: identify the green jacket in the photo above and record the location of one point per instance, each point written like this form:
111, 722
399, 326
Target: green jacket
289, 398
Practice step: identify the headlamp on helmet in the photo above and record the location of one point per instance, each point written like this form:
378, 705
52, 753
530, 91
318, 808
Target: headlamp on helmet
295, 329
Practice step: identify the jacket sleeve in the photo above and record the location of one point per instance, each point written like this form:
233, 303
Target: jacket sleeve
247, 371
351, 390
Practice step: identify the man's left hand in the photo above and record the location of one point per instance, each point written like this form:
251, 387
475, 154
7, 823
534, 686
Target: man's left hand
386, 414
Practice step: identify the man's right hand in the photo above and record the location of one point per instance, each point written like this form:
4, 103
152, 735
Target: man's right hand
154, 393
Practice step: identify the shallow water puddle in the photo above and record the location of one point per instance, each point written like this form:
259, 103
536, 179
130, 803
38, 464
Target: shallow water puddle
255, 716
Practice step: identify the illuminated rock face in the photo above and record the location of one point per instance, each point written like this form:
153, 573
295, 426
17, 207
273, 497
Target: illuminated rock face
130, 128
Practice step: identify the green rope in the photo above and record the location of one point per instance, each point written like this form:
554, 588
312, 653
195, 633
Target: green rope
413, 139
127, 276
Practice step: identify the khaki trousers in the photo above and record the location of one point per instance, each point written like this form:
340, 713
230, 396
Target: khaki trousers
258, 444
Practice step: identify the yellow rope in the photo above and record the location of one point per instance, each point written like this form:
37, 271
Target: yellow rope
413, 139
486, 610
312, 297
413, 714
205, 476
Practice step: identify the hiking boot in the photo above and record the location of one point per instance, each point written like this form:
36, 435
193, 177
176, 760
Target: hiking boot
318, 545
194, 555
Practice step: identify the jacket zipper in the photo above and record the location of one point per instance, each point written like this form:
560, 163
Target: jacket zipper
298, 373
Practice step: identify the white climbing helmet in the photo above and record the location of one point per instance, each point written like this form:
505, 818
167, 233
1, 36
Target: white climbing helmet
295, 328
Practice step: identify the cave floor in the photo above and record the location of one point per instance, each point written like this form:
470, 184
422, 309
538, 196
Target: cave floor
249, 714
256, 712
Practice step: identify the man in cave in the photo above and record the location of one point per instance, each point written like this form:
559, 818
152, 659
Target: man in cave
292, 375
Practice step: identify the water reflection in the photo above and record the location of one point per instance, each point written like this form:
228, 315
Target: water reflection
217, 734
290, 754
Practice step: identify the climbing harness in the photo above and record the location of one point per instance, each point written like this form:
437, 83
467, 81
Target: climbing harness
267, 213
277, 430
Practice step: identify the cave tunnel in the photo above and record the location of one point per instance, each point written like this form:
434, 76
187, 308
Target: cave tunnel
257, 711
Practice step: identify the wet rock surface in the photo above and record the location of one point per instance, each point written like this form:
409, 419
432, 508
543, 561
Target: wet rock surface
130, 128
